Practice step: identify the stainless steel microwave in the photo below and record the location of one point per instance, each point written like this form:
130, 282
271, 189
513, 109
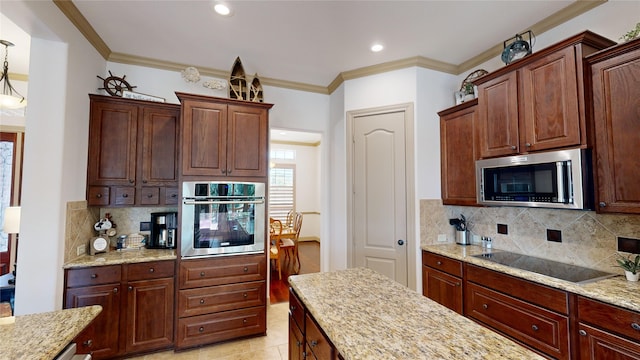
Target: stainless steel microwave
555, 179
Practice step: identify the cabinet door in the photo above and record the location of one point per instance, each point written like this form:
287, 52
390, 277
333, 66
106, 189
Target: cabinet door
101, 337
498, 116
458, 155
442, 288
159, 128
596, 344
549, 99
204, 139
149, 323
247, 141
296, 341
616, 94
112, 144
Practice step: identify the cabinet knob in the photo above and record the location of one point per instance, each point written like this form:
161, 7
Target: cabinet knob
152, 270
293, 308
485, 306
313, 343
228, 171
125, 195
457, 284
244, 295
131, 181
149, 196
98, 196
513, 147
244, 321
94, 276
602, 204
582, 333
534, 327
527, 145
245, 269
144, 181
201, 301
298, 343
201, 273
130, 288
174, 195
439, 262
201, 329
88, 343
224, 171
635, 326
115, 290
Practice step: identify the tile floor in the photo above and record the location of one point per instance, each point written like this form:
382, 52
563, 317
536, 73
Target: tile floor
274, 346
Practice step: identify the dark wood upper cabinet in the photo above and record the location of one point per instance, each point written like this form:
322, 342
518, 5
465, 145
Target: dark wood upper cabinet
537, 103
133, 152
458, 153
224, 137
615, 90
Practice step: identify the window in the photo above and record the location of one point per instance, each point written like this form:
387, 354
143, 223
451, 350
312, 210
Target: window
281, 190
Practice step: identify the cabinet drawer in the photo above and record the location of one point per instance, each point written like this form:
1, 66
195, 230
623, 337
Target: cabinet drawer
442, 263
96, 275
98, 195
597, 344
150, 270
609, 317
539, 328
170, 195
221, 298
150, 196
316, 340
222, 270
124, 196
206, 329
296, 309
550, 298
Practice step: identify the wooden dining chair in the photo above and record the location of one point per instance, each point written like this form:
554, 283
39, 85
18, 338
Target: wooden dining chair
275, 233
290, 243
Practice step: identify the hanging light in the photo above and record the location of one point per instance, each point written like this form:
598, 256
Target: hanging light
10, 97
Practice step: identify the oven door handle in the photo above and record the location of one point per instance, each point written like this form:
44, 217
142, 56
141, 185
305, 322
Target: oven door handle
222, 202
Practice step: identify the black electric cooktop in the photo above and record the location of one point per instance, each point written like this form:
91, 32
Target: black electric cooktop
555, 269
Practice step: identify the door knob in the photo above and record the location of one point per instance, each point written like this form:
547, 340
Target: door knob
400, 242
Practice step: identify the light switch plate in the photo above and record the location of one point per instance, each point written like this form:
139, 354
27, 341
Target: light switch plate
81, 250
442, 238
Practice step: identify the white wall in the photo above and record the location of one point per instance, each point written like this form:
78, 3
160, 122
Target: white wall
62, 71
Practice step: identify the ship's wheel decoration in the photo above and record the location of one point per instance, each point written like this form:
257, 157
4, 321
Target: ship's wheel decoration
114, 85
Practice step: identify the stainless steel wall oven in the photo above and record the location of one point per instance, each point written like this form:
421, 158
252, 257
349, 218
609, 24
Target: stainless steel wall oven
222, 218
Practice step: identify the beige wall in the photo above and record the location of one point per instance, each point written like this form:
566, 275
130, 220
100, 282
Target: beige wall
588, 239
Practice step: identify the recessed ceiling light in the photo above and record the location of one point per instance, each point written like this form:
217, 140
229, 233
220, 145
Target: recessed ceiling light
222, 9
377, 47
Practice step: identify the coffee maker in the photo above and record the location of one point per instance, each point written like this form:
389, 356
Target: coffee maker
163, 230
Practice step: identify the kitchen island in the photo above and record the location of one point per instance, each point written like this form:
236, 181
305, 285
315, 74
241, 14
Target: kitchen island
43, 336
366, 315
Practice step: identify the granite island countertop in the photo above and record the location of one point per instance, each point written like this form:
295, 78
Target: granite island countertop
615, 290
115, 257
43, 336
368, 316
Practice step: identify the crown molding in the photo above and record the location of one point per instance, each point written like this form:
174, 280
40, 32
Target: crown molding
73, 14
296, 143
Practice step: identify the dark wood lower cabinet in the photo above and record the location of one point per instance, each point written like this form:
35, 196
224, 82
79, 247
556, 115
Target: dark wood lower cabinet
149, 324
306, 339
442, 281
596, 344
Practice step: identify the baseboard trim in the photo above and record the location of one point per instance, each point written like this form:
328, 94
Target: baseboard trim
309, 238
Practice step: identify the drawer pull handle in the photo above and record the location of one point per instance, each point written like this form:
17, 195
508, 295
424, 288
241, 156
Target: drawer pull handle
201, 301
485, 306
130, 288
152, 270
582, 333
98, 196
245, 269
174, 196
313, 343
149, 196
293, 308
534, 327
93, 276
635, 326
513, 147
244, 295
125, 195
439, 262
457, 284
88, 343
298, 343
244, 321
201, 329
131, 181
115, 290
202, 274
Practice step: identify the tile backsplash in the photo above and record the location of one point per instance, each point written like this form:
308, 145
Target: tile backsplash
588, 239
81, 218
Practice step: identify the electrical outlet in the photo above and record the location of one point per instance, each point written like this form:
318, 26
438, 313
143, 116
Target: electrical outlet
442, 238
554, 235
81, 250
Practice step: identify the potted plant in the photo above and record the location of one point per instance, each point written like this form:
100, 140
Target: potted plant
631, 267
631, 34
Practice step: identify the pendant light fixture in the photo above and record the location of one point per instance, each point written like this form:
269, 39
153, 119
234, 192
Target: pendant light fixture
10, 97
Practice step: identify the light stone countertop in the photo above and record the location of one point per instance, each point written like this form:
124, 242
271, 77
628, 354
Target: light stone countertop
43, 336
115, 257
616, 290
368, 316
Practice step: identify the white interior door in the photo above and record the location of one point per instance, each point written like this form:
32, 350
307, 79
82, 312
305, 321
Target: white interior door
379, 194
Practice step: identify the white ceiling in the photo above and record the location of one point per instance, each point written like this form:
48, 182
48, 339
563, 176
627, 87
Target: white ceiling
308, 41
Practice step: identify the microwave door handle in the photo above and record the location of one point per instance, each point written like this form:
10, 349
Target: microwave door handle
560, 180
221, 202
569, 181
